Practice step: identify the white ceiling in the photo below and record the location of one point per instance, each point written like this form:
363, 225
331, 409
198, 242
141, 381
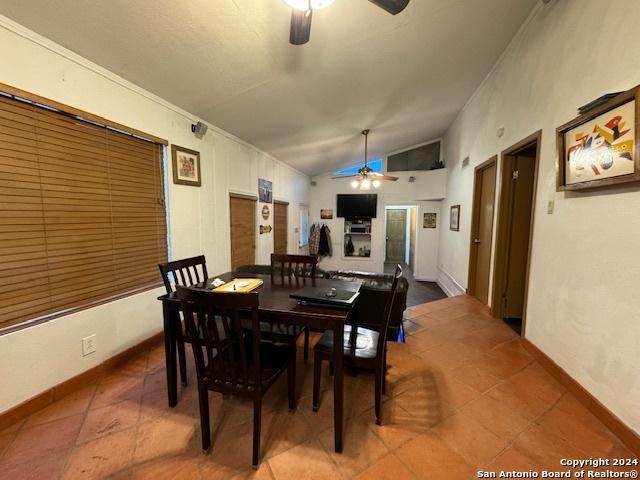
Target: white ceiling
229, 62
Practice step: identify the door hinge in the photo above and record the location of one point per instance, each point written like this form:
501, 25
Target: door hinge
515, 174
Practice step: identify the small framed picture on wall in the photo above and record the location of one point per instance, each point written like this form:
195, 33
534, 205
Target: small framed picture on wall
454, 219
186, 166
429, 220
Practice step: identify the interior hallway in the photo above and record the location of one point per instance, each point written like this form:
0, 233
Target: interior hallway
462, 395
419, 292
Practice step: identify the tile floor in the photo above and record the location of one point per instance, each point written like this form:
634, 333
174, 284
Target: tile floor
463, 395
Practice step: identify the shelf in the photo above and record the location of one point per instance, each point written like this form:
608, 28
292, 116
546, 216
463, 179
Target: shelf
357, 233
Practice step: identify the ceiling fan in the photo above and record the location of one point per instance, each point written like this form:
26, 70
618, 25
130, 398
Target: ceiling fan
366, 177
303, 11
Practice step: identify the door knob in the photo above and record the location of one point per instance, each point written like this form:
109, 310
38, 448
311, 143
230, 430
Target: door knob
476, 241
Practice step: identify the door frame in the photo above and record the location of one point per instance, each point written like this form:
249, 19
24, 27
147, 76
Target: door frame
475, 219
502, 232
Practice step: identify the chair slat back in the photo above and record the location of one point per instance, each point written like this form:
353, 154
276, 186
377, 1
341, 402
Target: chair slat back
299, 266
382, 339
186, 272
225, 353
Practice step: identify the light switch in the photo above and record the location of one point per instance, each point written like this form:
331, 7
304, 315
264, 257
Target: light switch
550, 206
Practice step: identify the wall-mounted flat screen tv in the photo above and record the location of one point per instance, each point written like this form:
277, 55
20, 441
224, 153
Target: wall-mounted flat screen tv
357, 205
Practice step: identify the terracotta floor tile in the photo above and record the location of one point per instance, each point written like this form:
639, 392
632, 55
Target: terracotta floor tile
41, 440
510, 460
156, 380
544, 449
135, 366
449, 355
117, 388
5, 440
72, 404
475, 376
387, 468
362, 447
165, 436
307, 461
504, 362
521, 399
179, 467
572, 422
110, 419
497, 417
38, 467
283, 430
535, 381
428, 456
398, 426
230, 452
105, 457
489, 335
469, 437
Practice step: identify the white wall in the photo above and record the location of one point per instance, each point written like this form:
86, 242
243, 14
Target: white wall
583, 303
42, 356
428, 186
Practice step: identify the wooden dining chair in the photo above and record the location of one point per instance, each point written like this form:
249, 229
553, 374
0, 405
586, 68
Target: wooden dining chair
186, 273
230, 358
296, 266
364, 348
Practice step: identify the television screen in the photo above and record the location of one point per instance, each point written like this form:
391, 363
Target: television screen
357, 205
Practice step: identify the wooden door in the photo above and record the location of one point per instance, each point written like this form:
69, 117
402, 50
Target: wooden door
243, 230
396, 235
523, 168
280, 227
482, 230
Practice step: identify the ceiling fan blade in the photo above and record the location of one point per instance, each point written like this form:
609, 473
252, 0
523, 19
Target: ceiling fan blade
345, 176
394, 7
300, 26
390, 178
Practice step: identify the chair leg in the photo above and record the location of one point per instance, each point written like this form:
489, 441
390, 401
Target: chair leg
291, 378
384, 372
306, 344
182, 361
378, 396
205, 428
317, 372
257, 421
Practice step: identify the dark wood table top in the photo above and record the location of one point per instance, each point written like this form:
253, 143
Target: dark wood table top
274, 295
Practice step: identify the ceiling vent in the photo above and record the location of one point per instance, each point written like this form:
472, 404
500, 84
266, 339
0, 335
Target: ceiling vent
424, 157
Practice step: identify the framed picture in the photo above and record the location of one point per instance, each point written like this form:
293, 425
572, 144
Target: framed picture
265, 190
454, 219
186, 166
429, 220
599, 148
326, 213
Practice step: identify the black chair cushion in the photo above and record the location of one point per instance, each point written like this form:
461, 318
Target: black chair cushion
366, 343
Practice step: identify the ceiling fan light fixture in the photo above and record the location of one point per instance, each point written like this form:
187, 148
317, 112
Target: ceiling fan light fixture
305, 5
365, 184
355, 184
375, 183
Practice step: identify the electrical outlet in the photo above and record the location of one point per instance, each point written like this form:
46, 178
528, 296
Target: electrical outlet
550, 206
88, 345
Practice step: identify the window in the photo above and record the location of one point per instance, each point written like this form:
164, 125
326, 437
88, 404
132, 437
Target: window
375, 165
82, 216
425, 157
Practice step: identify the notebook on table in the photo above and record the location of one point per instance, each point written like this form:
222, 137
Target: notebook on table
239, 285
330, 297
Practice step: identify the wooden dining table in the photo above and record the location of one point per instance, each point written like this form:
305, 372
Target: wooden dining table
276, 307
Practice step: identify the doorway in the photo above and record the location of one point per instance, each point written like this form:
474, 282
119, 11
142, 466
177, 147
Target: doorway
242, 217
280, 226
484, 190
519, 174
396, 248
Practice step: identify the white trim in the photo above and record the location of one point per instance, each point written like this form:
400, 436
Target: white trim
44, 42
426, 279
417, 145
448, 284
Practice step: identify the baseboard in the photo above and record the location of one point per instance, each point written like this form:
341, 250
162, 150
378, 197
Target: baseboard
425, 279
628, 436
449, 285
38, 402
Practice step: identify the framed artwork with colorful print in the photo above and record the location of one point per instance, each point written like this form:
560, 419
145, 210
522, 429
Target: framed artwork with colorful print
599, 148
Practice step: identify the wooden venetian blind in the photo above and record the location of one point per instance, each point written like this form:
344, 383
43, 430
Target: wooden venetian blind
82, 216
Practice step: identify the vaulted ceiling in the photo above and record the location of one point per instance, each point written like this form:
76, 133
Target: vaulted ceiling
229, 62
